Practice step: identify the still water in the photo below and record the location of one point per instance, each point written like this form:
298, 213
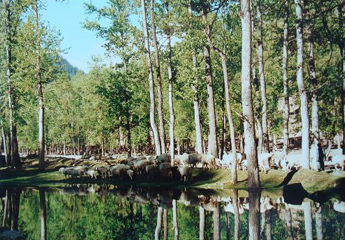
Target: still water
108, 212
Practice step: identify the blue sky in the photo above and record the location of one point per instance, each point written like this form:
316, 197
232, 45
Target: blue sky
67, 17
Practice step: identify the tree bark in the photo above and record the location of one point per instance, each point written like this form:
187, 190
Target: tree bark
202, 223
212, 137
159, 223
318, 223
237, 214
265, 138
151, 83
165, 221
301, 88
159, 80
247, 101
286, 79
341, 10
4, 144
43, 215
171, 102
15, 159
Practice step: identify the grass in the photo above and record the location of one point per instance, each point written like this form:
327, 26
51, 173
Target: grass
216, 179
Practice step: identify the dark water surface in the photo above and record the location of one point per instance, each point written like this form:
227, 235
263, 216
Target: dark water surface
108, 212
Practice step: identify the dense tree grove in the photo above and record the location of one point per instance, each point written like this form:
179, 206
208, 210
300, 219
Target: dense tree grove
176, 79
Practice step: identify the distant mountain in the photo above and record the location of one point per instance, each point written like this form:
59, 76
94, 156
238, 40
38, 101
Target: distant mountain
69, 68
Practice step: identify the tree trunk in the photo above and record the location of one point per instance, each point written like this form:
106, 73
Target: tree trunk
341, 10
254, 214
216, 222
159, 223
300, 82
265, 138
43, 215
159, 80
5, 144
198, 132
212, 137
15, 203
286, 79
129, 141
175, 220
308, 220
202, 223
5, 211
151, 83
171, 103
15, 159
247, 101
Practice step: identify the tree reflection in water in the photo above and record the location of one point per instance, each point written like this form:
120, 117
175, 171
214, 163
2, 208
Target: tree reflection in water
114, 212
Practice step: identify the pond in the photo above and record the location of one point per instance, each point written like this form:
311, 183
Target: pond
103, 212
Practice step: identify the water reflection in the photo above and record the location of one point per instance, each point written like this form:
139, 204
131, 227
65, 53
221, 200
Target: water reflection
113, 212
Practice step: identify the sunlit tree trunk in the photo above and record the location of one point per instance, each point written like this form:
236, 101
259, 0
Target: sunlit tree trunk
4, 144
341, 10
171, 103
159, 223
15, 159
159, 80
247, 101
308, 223
265, 138
175, 220
202, 223
151, 83
43, 215
212, 137
254, 214
286, 79
301, 88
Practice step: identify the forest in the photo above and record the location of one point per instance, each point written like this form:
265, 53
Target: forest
205, 76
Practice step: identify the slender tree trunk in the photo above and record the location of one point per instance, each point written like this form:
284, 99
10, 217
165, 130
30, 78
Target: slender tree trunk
227, 217
212, 137
15, 159
202, 223
5, 212
286, 79
5, 144
171, 103
222, 136
151, 83
41, 142
341, 10
129, 141
159, 80
254, 214
198, 132
175, 220
300, 82
43, 215
308, 220
247, 101
265, 142
159, 223
216, 222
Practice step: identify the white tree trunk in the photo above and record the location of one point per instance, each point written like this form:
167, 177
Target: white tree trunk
175, 220
265, 138
159, 81
202, 223
247, 101
308, 223
159, 223
300, 82
151, 83
43, 215
286, 79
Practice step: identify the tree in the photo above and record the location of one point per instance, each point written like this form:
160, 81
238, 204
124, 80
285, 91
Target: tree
301, 87
247, 101
151, 83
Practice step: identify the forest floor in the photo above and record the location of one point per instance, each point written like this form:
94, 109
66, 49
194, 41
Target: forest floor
217, 179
